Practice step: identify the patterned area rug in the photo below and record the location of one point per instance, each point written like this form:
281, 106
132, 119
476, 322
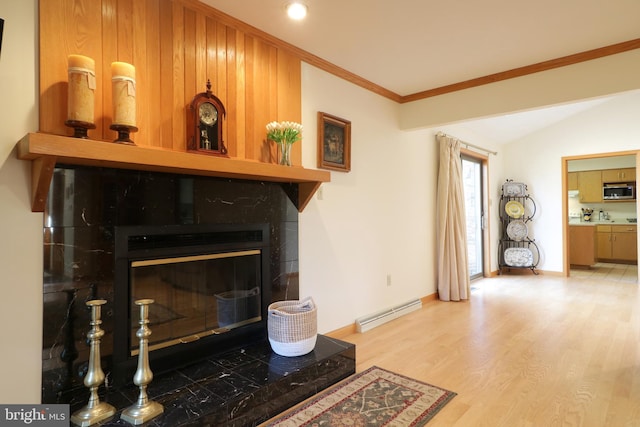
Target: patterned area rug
375, 397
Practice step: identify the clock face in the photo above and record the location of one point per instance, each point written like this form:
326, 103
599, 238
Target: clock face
208, 114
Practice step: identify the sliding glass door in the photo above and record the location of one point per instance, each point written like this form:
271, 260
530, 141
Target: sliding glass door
472, 171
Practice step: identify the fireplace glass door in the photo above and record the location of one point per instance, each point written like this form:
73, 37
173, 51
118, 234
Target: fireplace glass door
195, 296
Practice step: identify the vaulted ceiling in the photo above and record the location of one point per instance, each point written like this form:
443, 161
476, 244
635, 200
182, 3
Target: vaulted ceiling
411, 46
408, 46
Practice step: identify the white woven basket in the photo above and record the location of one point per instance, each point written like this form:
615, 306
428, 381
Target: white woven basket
292, 327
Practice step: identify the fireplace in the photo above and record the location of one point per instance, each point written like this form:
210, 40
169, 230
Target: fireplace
105, 228
212, 253
206, 283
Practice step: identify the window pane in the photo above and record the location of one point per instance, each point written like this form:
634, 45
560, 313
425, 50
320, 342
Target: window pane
472, 181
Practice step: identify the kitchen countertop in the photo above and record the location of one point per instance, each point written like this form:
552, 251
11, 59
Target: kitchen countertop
612, 222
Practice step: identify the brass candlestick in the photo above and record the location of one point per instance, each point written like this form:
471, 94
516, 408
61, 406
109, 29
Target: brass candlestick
144, 409
95, 411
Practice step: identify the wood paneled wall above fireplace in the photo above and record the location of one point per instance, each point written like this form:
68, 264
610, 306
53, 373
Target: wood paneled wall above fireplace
175, 45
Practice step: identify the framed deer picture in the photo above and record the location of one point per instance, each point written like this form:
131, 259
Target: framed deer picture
334, 143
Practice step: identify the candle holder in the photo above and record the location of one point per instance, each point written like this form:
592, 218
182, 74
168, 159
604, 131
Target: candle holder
80, 128
95, 411
123, 133
144, 409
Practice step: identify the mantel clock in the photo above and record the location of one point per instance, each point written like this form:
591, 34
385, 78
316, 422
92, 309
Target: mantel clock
205, 117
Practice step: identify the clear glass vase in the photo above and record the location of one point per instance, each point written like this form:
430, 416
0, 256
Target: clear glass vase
284, 153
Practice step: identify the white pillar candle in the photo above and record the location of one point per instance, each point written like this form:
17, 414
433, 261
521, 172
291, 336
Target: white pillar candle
123, 79
82, 87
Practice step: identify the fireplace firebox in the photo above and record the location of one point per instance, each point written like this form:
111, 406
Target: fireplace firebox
209, 284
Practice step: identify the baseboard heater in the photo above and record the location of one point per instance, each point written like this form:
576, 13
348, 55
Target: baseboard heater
366, 323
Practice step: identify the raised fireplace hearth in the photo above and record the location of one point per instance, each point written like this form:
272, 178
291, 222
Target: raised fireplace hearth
240, 387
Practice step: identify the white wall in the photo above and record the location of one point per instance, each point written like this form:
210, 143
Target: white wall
20, 229
609, 127
373, 221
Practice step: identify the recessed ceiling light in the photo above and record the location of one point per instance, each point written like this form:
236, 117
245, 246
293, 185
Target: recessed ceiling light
296, 10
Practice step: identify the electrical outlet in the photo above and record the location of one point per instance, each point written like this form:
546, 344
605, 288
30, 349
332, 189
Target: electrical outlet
388, 280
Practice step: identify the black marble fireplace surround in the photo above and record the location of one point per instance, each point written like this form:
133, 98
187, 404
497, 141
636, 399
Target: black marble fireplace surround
237, 379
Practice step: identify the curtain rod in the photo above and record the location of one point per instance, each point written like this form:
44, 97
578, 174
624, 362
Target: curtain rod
467, 144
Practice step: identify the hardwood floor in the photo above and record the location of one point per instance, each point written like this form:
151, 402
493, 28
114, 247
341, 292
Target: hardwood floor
524, 351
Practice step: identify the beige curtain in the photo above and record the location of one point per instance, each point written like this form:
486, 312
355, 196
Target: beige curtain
451, 234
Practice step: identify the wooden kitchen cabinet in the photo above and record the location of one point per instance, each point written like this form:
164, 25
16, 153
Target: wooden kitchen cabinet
582, 245
617, 243
604, 242
590, 186
572, 181
619, 175
625, 246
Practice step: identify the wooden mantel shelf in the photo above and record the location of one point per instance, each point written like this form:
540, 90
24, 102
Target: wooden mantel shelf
46, 150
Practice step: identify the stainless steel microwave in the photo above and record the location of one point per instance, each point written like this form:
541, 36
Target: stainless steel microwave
618, 191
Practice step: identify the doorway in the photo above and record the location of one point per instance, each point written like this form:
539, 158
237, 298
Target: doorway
606, 254
474, 184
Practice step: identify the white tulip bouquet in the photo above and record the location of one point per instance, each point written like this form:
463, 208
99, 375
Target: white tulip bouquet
284, 132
